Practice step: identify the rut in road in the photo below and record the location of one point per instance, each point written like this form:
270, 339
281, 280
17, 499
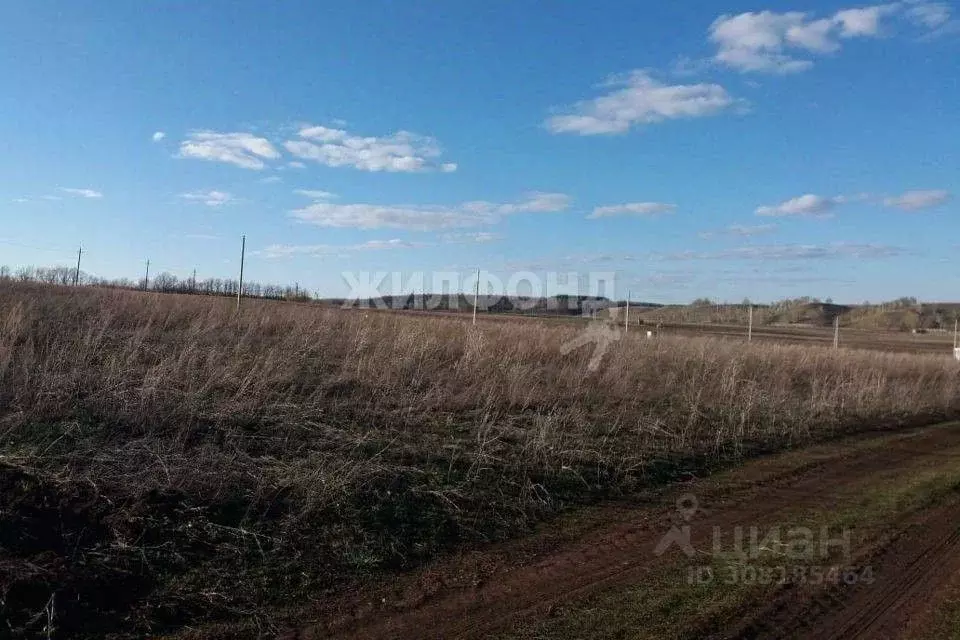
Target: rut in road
908, 572
621, 553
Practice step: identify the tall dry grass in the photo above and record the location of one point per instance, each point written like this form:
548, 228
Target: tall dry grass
214, 465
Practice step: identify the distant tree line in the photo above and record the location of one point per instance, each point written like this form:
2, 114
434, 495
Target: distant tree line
163, 282
554, 305
904, 313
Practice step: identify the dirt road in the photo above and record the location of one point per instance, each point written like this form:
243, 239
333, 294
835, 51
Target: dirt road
601, 574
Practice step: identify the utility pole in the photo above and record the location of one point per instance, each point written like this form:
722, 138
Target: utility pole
76, 275
955, 322
146, 278
626, 317
836, 332
750, 325
550, 304
243, 251
193, 282
476, 297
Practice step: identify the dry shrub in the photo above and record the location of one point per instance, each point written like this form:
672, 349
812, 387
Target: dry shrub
213, 466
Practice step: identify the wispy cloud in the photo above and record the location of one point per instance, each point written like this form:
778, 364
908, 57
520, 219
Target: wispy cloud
315, 194
789, 252
321, 250
930, 15
919, 199
158, 136
771, 42
740, 231
425, 217
210, 198
240, 149
82, 193
394, 243
478, 237
400, 152
644, 209
805, 205
637, 99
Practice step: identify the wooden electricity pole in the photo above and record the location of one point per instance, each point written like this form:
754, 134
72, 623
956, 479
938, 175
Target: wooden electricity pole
146, 278
76, 274
476, 297
243, 251
836, 332
626, 319
750, 325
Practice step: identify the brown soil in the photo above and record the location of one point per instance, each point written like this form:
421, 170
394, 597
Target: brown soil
480, 593
908, 575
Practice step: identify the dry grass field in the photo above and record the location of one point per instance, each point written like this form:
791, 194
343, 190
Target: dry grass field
888, 341
166, 463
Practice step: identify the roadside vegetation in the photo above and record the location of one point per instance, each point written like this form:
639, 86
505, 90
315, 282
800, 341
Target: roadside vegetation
165, 462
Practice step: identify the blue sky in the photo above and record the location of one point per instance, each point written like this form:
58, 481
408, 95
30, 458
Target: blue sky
758, 150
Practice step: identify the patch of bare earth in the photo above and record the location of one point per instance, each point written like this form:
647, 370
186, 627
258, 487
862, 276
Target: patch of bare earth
482, 593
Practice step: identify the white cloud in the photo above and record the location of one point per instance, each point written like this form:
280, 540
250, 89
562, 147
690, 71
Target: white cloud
930, 15
479, 237
394, 243
315, 194
209, 198
766, 41
748, 231
425, 217
633, 208
241, 149
323, 134
296, 165
401, 152
289, 251
82, 193
805, 205
741, 231
320, 250
158, 136
919, 199
639, 99
791, 252
864, 21
20, 200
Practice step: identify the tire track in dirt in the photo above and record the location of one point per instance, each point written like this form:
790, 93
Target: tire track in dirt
619, 553
909, 572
